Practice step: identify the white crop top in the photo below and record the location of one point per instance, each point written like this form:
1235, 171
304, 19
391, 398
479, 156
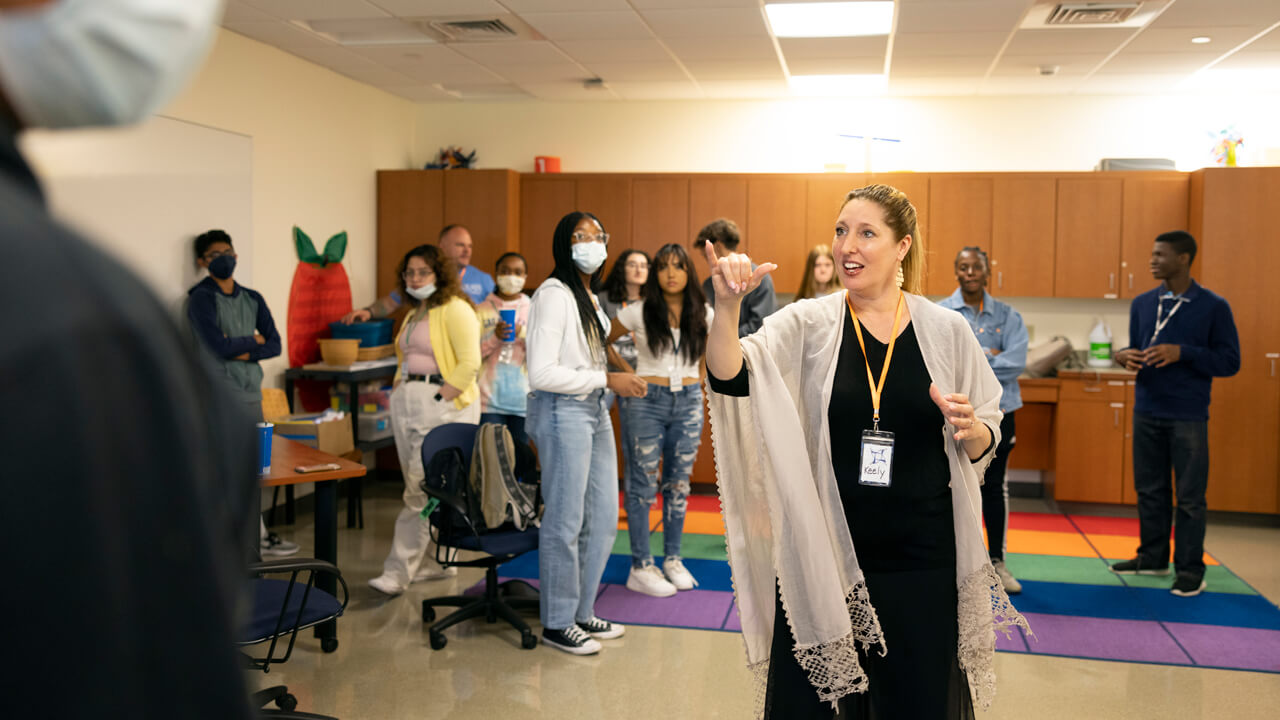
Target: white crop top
669, 361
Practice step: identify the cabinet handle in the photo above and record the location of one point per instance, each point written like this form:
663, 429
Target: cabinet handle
1117, 413
1111, 281
1092, 389
1130, 281
1000, 279
1273, 357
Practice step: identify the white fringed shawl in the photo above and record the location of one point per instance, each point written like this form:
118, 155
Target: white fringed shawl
783, 517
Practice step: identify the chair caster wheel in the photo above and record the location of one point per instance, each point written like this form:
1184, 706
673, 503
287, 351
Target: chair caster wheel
287, 702
428, 613
329, 644
528, 640
438, 640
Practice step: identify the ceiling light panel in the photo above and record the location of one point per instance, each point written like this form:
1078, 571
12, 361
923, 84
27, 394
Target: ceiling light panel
830, 19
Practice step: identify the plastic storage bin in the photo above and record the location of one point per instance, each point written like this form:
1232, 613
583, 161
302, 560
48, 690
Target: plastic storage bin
374, 426
370, 334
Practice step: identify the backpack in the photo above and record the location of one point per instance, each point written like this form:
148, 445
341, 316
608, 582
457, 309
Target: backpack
446, 474
495, 466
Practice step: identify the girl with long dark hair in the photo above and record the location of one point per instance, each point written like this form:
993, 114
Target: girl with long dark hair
568, 419
663, 428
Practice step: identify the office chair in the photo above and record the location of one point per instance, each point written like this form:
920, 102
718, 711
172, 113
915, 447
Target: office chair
498, 545
280, 609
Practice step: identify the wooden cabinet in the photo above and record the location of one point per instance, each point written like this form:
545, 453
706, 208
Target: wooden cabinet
543, 201
960, 212
410, 212
1090, 440
659, 214
608, 197
1233, 218
1151, 206
776, 212
1023, 224
715, 197
487, 202
1128, 494
1087, 241
824, 196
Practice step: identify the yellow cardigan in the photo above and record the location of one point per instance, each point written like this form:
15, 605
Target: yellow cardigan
455, 342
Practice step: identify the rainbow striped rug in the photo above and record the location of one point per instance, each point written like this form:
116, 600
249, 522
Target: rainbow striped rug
1075, 605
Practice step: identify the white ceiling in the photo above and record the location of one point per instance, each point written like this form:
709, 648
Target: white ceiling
682, 49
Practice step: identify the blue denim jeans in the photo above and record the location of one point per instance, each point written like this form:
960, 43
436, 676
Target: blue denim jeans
580, 492
663, 431
1161, 449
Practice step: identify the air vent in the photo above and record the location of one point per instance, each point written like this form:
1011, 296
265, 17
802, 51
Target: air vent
475, 30
1076, 14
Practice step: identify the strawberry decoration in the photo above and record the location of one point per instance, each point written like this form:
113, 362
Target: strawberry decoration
320, 294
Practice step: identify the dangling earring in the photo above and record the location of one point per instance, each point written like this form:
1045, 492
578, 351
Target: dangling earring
901, 278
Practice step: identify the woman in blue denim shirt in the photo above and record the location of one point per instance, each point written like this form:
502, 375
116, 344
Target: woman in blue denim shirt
568, 419
664, 427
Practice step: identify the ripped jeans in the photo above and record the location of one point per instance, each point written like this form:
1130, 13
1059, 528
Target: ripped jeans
663, 431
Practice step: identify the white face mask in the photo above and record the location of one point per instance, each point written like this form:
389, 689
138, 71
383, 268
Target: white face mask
423, 292
86, 63
589, 256
510, 284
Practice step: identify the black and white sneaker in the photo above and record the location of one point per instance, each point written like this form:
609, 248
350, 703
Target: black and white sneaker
602, 629
1187, 586
1138, 566
573, 640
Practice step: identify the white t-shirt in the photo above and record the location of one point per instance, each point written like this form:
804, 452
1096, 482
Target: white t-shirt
559, 358
668, 362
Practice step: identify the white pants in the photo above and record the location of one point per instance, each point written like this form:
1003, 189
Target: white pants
414, 412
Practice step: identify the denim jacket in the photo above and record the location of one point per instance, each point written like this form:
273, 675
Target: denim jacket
998, 327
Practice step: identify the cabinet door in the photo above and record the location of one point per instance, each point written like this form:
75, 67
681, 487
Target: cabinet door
1127, 492
543, 202
1087, 242
712, 198
1023, 223
960, 216
608, 197
410, 213
1151, 206
776, 213
1090, 441
488, 203
659, 214
823, 198
1240, 249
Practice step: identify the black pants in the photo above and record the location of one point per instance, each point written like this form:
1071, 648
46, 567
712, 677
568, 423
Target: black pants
995, 491
1181, 448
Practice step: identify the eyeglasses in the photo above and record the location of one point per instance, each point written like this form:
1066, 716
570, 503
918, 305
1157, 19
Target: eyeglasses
584, 237
422, 273
211, 256
637, 266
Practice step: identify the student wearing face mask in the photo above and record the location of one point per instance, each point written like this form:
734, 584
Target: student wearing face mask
504, 383
438, 350
569, 422
148, 468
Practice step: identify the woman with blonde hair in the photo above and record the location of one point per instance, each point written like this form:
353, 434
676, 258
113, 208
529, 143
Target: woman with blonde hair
851, 434
819, 274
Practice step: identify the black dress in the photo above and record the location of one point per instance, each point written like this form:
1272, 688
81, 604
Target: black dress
905, 538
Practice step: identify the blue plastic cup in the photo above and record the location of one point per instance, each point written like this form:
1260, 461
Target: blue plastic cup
265, 431
509, 317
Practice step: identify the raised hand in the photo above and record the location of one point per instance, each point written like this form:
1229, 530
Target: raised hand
732, 276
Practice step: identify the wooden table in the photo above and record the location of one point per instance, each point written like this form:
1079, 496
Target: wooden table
287, 454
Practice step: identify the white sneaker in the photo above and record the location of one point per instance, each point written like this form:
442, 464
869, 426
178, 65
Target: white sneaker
602, 629
680, 577
435, 572
386, 585
649, 580
1011, 584
275, 546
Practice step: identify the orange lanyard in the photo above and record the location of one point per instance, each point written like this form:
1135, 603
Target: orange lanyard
876, 388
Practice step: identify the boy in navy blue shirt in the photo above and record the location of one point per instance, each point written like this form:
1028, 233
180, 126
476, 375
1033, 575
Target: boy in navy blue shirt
1181, 336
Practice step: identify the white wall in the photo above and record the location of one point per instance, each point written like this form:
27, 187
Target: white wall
1054, 133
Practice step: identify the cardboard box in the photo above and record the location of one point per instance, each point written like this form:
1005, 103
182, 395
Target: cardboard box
333, 437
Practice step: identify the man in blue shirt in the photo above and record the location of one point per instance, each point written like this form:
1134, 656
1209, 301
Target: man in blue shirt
1181, 336
1003, 337
455, 242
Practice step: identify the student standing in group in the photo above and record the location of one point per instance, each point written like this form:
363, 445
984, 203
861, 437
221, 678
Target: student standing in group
455, 242
664, 427
1181, 336
1003, 337
723, 237
819, 274
851, 433
569, 422
504, 381
622, 288
438, 350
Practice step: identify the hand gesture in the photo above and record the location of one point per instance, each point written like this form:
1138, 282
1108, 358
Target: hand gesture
627, 384
957, 411
502, 329
1130, 359
361, 315
732, 276
1161, 355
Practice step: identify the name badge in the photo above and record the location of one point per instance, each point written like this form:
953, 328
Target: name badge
677, 380
877, 458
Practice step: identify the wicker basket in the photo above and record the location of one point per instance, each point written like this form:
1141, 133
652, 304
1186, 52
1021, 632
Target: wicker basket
377, 352
339, 352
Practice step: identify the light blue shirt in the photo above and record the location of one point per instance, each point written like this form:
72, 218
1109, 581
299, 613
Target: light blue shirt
476, 283
998, 327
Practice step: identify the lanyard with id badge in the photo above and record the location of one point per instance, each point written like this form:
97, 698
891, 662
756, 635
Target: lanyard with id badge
877, 445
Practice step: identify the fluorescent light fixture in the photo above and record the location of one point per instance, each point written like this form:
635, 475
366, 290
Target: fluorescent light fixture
1200, 40
830, 19
839, 85
1238, 80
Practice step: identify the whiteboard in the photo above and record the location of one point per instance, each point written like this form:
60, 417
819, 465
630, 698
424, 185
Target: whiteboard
144, 193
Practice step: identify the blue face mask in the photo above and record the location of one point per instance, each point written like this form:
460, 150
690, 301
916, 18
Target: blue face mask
222, 266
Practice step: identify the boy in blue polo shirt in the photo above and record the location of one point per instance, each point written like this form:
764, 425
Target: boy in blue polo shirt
1181, 336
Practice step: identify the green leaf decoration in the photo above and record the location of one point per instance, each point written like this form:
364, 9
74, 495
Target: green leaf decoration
306, 249
335, 248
